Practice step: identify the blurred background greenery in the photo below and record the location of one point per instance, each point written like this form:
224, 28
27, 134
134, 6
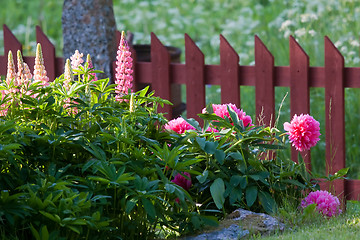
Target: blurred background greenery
272, 20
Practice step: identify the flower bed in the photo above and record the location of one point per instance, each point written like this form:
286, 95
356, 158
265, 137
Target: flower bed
85, 159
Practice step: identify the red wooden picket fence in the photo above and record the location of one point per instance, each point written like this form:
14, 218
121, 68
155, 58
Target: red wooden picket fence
264, 76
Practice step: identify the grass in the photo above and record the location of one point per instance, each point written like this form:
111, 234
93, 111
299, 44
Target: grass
343, 227
272, 20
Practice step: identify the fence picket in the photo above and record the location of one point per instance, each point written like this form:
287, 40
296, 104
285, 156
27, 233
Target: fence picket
11, 43
299, 89
229, 63
264, 84
195, 89
160, 64
335, 112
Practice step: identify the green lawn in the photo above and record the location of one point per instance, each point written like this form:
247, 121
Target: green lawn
343, 227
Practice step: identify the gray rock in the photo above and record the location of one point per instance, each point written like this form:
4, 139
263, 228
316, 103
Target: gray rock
239, 224
234, 232
89, 26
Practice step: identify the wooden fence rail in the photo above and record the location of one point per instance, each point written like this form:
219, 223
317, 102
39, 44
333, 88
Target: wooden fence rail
264, 76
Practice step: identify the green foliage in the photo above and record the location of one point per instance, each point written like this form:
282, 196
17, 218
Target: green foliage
78, 164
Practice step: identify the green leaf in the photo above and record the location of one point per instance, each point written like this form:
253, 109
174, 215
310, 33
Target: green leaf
236, 194
251, 195
75, 229
309, 211
341, 173
130, 205
44, 233
217, 190
220, 156
54, 218
243, 182
201, 142
34, 232
194, 123
202, 178
235, 180
169, 188
149, 208
268, 202
210, 147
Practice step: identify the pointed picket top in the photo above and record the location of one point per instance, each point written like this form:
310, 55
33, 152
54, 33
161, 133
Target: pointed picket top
190, 46
11, 43
264, 84
299, 90
229, 62
195, 90
158, 49
261, 50
160, 63
49, 54
332, 54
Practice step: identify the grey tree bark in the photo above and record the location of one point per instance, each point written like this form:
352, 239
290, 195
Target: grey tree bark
89, 26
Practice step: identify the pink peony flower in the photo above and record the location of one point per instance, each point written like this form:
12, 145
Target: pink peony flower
326, 204
182, 181
303, 131
178, 125
123, 69
76, 59
39, 68
221, 111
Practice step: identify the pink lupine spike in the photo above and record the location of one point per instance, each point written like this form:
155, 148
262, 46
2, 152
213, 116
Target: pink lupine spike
39, 68
76, 60
90, 65
11, 72
21, 69
123, 69
68, 74
27, 72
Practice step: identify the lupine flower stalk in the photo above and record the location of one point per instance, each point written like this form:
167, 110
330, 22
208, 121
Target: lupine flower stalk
90, 66
11, 72
10, 76
76, 60
68, 75
123, 69
39, 67
24, 75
